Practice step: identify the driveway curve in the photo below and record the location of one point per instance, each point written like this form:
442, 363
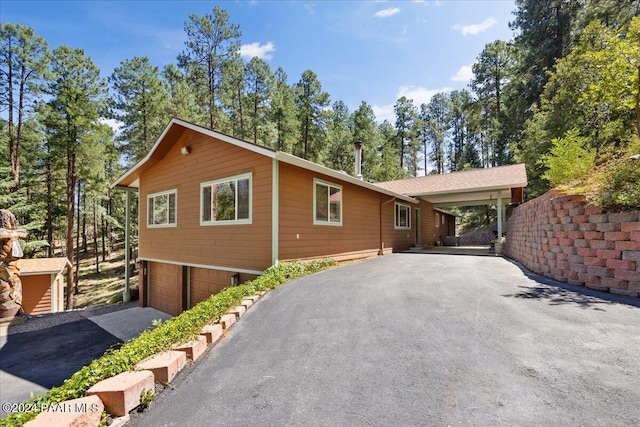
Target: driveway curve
415, 339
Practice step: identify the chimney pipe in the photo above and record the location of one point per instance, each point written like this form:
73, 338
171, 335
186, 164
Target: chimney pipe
358, 146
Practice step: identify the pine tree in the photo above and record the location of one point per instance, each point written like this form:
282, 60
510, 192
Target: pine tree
259, 85
437, 125
365, 130
23, 61
405, 119
139, 103
181, 98
340, 151
283, 114
212, 42
76, 98
492, 72
310, 102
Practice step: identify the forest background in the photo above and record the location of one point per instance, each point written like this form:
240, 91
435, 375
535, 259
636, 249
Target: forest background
561, 96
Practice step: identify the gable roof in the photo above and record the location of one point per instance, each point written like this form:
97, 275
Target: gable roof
34, 266
176, 128
488, 179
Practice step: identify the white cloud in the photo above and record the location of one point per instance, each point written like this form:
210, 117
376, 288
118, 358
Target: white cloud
464, 74
384, 112
420, 95
385, 13
114, 124
474, 29
262, 51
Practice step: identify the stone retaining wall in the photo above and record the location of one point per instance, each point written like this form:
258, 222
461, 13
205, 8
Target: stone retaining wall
561, 237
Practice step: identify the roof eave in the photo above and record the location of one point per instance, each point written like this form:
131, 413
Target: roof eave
125, 181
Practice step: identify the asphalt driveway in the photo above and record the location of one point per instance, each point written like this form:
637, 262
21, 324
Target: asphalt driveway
44, 351
414, 339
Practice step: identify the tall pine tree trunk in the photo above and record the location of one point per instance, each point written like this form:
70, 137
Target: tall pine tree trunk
84, 221
70, 192
77, 252
102, 235
49, 220
95, 237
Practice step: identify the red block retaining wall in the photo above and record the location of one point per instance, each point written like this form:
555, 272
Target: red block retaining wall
561, 237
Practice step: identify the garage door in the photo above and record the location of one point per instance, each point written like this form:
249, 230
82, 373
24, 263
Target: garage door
165, 290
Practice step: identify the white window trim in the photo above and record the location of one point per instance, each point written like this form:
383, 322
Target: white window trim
227, 179
329, 223
173, 191
437, 220
395, 216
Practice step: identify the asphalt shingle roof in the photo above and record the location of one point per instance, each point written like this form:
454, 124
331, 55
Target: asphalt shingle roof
460, 182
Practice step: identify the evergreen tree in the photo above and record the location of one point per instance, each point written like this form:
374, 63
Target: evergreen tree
365, 130
543, 30
232, 98
388, 168
212, 42
181, 98
259, 83
405, 136
437, 125
340, 150
23, 61
76, 94
310, 102
139, 103
460, 105
283, 114
492, 71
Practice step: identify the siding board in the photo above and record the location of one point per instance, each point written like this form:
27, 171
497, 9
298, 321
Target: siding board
233, 246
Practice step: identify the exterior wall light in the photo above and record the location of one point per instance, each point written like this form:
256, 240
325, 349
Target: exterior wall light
185, 150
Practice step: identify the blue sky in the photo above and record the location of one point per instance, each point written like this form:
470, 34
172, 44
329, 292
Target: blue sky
372, 51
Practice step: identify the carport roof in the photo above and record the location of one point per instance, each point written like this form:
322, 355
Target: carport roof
471, 181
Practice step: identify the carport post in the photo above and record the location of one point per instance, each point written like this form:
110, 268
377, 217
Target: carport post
126, 295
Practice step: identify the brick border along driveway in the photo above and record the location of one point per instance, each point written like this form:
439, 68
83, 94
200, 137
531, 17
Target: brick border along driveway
414, 339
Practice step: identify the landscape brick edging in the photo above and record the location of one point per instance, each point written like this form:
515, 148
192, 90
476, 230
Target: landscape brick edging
561, 237
123, 403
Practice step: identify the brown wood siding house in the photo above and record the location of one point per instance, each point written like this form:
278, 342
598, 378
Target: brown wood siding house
188, 253
216, 210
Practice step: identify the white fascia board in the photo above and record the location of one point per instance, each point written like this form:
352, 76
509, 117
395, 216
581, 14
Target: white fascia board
305, 164
471, 191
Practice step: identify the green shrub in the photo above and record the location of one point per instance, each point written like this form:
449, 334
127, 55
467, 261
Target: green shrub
569, 158
621, 189
179, 329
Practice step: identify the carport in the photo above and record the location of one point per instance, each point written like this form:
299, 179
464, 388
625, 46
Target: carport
497, 186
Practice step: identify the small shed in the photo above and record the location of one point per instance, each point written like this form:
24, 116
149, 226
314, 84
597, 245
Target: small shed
43, 284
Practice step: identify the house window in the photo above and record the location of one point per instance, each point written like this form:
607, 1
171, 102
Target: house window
327, 203
161, 209
402, 216
437, 219
226, 201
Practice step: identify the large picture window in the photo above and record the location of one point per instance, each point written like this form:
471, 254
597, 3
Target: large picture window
161, 209
327, 203
402, 216
226, 201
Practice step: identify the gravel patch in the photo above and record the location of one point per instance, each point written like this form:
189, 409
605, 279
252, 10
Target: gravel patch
44, 321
